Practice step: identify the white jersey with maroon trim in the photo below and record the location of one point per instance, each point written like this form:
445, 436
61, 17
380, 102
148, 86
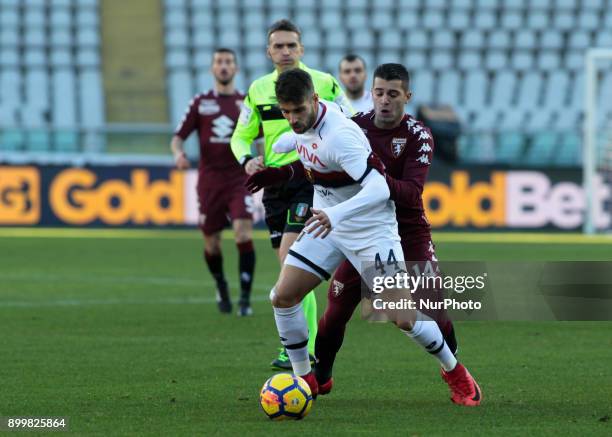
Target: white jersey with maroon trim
334, 153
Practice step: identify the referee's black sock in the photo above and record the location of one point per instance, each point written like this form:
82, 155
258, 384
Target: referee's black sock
246, 266
215, 266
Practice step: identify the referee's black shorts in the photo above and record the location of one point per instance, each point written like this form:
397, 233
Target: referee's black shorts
287, 208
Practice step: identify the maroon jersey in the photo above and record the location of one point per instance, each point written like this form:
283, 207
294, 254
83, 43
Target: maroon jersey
214, 116
407, 152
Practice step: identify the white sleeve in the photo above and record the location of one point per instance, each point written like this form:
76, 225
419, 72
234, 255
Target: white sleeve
351, 151
285, 143
374, 190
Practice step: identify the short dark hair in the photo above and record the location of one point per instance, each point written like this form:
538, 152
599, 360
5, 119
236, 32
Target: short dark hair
286, 25
293, 86
393, 71
351, 57
225, 50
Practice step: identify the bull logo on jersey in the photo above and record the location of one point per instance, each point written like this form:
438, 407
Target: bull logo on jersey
208, 107
397, 146
222, 127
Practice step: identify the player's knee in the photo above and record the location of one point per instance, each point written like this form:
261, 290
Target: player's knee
280, 299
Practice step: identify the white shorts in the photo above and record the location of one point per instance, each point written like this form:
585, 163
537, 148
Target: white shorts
321, 257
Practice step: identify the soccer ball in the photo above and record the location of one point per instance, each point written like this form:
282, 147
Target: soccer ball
285, 396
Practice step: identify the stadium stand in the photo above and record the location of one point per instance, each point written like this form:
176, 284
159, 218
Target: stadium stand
512, 69
50, 82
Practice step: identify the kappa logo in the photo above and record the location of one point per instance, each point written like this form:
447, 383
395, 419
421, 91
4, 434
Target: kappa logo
397, 146
423, 159
338, 288
223, 126
425, 148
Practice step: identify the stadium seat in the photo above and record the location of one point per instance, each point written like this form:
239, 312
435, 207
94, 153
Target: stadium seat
61, 38
496, 60
571, 5
9, 57
356, 20
177, 59
432, 19
254, 19
537, 20
443, 39
227, 19
231, 38
64, 98
408, 20
588, 20
35, 37
11, 139
555, 90
551, 39
181, 92
603, 38
88, 18
362, 40
176, 38
502, 89
202, 59
498, 39
484, 19
88, 58
9, 18
34, 58
568, 152
458, 20
510, 147
61, 18
469, 59
415, 60
538, 120
541, 4
9, 36
175, 19
522, 60
487, 4
392, 39
256, 40
524, 39
593, 4
417, 39
91, 98
472, 39
254, 59
511, 119
441, 60
381, 20
542, 148
423, 86
202, 19
203, 38
88, 38
579, 40
61, 57
548, 61
311, 40
574, 60
338, 39
66, 141
312, 57
38, 140
475, 89
564, 20
512, 20
462, 4
529, 90
449, 83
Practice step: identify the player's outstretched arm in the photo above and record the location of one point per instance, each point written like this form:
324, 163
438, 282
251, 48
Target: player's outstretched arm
270, 176
285, 143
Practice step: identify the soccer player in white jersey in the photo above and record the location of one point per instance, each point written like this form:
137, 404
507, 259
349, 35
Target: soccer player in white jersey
353, 218
352, 74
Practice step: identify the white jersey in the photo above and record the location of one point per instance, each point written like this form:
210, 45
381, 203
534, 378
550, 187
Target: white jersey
334, 153
364, 103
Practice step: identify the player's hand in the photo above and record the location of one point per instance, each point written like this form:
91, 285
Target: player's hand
267, 177
181, 161
254, 165
375, 162
320, 223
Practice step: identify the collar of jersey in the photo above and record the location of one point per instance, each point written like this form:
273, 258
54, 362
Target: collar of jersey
301, 66
321, 115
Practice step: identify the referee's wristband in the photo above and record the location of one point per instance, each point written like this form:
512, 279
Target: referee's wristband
243, 161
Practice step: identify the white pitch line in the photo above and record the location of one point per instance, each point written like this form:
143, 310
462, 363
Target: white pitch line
187, 300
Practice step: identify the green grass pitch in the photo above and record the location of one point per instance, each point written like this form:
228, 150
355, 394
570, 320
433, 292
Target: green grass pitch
118, 330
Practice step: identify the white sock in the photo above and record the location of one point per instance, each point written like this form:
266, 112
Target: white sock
293, 332
427, 334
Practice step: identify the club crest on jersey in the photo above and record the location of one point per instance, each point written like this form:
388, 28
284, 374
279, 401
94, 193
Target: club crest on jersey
308, 173
397, 146
338, 288
208, 107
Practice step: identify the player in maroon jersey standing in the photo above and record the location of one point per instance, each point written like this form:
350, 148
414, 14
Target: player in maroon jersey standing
221, 191
405, 147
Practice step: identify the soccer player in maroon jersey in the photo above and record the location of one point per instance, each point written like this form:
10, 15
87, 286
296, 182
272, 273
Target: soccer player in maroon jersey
220, 187
405, 147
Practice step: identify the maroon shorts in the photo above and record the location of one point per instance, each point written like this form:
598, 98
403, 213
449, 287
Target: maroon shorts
222, 201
